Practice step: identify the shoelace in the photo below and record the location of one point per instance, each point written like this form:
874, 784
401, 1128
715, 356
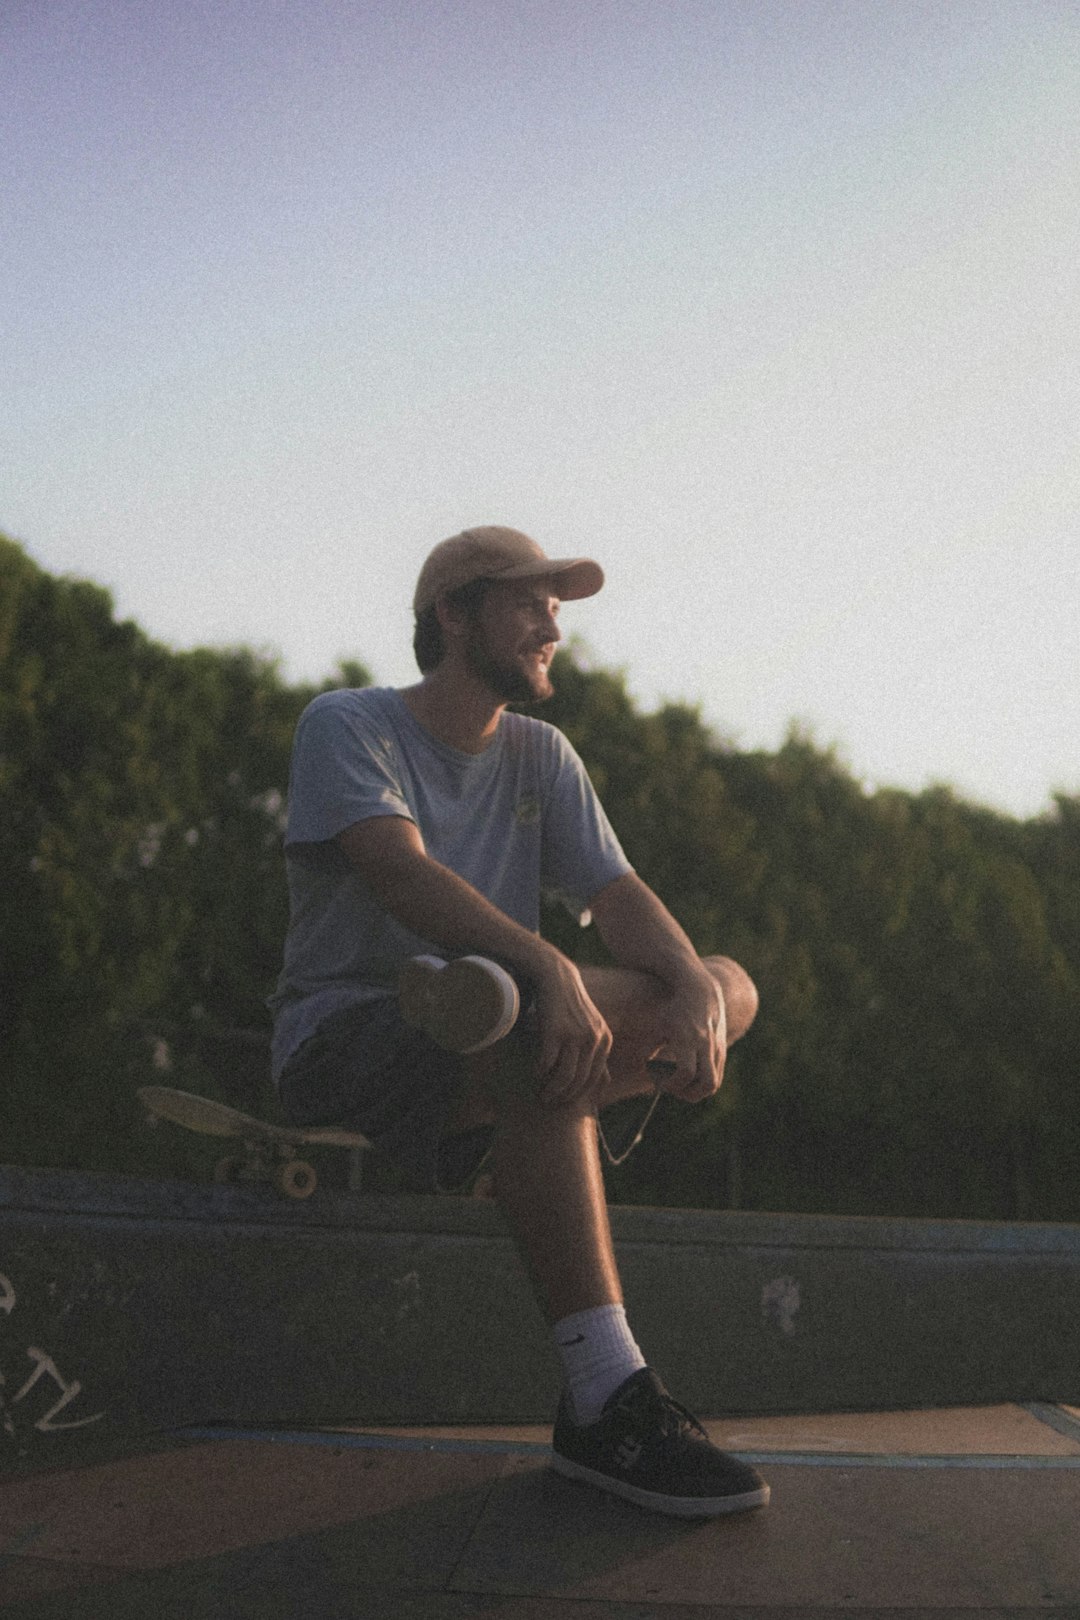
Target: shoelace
675, 1420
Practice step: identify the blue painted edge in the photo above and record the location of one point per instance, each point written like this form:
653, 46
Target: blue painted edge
1054, 1418
365, 1442
760, 1459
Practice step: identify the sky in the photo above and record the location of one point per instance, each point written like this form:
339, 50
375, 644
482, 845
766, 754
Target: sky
770, 306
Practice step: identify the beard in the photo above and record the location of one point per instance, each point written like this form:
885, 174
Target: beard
511, 683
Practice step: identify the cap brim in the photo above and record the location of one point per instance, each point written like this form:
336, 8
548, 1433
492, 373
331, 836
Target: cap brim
575, 576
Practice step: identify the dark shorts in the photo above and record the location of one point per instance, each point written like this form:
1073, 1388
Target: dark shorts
368, 1070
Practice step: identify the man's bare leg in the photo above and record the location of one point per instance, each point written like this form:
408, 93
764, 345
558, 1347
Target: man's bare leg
614, 1426
548, 1180
550, 1188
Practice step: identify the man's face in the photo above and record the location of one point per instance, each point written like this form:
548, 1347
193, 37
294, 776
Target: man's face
512, 640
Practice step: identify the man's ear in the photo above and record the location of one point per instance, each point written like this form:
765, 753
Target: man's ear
453, 618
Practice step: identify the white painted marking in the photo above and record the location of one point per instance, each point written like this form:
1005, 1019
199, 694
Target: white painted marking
780, 1301
407, 1291
46, 1368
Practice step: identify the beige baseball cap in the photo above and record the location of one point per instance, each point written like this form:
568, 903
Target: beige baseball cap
494, 553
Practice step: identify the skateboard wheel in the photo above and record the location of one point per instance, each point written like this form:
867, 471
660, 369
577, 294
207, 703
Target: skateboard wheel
228, 1170
296, 1179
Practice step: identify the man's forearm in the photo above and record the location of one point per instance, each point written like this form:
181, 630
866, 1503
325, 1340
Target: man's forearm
435, 903
641, 933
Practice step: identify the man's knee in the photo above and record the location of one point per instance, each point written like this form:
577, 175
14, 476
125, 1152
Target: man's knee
505, 1089
740, 995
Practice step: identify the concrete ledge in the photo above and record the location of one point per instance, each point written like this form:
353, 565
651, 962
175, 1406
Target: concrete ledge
131, 1306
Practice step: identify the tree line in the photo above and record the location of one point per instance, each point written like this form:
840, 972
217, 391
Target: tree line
918, 956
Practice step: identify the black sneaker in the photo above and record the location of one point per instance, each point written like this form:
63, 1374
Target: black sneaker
648, 1448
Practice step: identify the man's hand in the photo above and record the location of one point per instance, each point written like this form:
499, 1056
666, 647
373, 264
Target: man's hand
574, 1038
698, 1036
641, 933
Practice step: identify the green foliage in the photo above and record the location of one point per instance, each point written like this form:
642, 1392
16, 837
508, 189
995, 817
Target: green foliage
918, 961
918, 958
141, 801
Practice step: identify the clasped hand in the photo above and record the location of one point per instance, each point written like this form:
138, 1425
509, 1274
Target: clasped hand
574, 1037
697, 1037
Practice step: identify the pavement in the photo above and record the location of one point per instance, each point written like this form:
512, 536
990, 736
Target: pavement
964, 1512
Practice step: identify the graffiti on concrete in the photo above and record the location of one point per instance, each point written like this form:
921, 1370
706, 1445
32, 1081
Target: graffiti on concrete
780, 1302
43, 1384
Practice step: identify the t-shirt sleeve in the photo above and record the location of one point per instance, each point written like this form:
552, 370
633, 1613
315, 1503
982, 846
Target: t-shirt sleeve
581, 853
344, 769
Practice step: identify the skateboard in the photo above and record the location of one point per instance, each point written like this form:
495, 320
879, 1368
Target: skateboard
267, 1152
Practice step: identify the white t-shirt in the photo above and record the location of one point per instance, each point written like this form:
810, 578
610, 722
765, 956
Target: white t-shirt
519, 819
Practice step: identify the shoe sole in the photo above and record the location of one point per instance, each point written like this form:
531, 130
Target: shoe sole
677, 1507
464, 1005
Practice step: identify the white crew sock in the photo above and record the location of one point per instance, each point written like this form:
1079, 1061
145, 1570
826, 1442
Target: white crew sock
598, 1353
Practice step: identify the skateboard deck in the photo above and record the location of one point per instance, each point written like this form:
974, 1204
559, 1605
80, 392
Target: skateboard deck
266, 1152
